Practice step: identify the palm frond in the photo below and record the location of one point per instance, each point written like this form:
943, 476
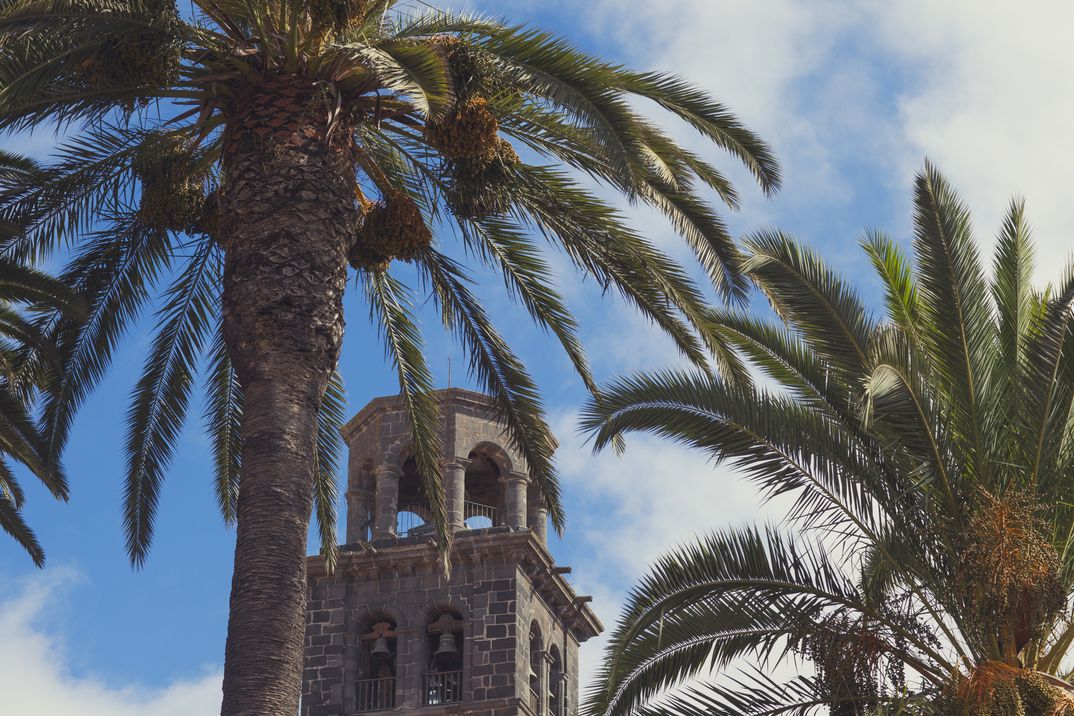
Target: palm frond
223, 422
391, 305
710, 118
528, 277
896, 275
959, 334
12, 522
330, 420
159, 403
807, 296
114, 274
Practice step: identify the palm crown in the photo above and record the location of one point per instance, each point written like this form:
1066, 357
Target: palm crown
929, 453
425, 110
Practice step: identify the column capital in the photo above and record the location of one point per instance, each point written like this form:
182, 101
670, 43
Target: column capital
388, 469
515, 476
459, 463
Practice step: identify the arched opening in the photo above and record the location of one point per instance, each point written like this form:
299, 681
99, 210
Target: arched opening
483, 494
377, 663
414, 515
536, 668
484, 491
556, 687
444, 647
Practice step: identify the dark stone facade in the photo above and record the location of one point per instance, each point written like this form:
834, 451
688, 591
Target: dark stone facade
513, 618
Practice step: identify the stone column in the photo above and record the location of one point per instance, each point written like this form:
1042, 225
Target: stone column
514, 499
545, 660
351, 645
410, 671
387, 501
455, 491
537, 514
359, 515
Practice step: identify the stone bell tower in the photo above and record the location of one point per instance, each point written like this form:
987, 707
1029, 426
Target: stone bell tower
389, 632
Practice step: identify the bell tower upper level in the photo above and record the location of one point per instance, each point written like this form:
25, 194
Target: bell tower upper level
486, 483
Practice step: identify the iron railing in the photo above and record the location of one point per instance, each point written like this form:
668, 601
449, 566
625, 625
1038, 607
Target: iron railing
414, 518
444, 687
477, 516
410, 518
376, 694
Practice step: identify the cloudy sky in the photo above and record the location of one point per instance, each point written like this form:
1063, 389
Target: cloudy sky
853, 96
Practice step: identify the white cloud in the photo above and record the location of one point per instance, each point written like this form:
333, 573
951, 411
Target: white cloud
35, 677
980, 87
990, 102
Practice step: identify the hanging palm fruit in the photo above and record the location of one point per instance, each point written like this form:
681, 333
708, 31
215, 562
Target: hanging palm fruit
337, 16
847, 655
1007, 572
131, 62
468, 132
997, 689
1040, 697
473, 70
173, 193
393, 229
476, 187
476, 158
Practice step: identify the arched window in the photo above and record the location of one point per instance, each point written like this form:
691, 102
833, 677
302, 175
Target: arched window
556, 705
444, 646
377, 652
536, 668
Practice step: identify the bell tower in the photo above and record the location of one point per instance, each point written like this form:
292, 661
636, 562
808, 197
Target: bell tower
389, 632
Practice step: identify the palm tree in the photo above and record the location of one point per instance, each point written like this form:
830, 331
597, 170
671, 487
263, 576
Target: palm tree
243, 157
928, 565
28, 365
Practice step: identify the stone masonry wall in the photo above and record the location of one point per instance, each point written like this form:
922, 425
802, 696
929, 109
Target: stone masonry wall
495, 599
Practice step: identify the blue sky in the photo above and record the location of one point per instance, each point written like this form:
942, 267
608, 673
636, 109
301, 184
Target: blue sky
853, 95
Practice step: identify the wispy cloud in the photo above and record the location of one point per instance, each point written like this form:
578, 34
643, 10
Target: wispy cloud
35, 674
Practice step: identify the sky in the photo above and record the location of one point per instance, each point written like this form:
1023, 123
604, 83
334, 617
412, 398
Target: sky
853, 96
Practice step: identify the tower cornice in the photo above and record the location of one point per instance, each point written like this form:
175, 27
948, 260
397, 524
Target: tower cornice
409, 556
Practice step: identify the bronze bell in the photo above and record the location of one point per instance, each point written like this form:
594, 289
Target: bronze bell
380, 650
447, 653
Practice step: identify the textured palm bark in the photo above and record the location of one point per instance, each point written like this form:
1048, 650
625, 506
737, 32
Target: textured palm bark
288, 212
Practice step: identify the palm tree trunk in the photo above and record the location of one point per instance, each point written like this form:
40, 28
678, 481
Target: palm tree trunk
287, 214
